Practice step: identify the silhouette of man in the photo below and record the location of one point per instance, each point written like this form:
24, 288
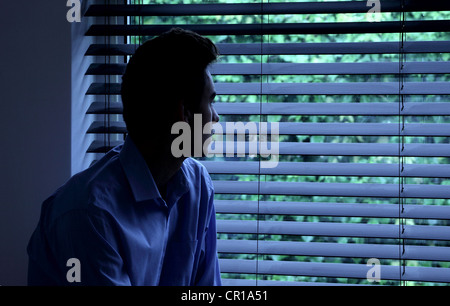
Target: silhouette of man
139, 215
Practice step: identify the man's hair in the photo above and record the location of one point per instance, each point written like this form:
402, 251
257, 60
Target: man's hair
165, 69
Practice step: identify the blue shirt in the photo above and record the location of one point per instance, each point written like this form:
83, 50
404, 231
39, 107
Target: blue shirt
112, 219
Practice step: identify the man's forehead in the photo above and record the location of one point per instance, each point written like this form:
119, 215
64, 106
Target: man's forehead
209, 75
209, 83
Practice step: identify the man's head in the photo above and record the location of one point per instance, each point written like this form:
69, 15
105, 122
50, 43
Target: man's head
167, 74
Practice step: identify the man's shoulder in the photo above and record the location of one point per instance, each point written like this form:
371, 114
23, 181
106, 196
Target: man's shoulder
86, 190
194, 167
195, 170
193, 163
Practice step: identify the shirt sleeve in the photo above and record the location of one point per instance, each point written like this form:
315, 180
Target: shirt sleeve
208, 273
88, 237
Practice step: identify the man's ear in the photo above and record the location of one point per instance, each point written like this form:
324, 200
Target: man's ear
188, 115
182, 113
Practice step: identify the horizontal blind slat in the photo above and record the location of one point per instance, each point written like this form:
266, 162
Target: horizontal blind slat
330, 149
380, 251
420, 232
287, 108
332, 209
274, 29
297, 128
328, 169
253, 282
332, 270
350, 88
256, 8
299, 68
328, 68
345, 129
296, 48
333, 189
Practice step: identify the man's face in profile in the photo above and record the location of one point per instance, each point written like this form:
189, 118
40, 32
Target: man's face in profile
206, 109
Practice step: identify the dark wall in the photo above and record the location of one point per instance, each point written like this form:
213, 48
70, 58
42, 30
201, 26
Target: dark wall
35, 124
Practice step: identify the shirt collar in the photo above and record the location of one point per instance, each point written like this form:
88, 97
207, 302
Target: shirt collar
140, 178
177, 186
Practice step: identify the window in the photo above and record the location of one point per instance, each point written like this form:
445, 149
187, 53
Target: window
361, 191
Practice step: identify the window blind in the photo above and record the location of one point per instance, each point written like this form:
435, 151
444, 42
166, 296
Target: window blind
363, 110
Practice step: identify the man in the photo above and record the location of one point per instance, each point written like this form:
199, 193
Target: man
139, 215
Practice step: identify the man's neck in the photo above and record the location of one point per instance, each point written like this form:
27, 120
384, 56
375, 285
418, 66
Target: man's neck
162, 164
163, 170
